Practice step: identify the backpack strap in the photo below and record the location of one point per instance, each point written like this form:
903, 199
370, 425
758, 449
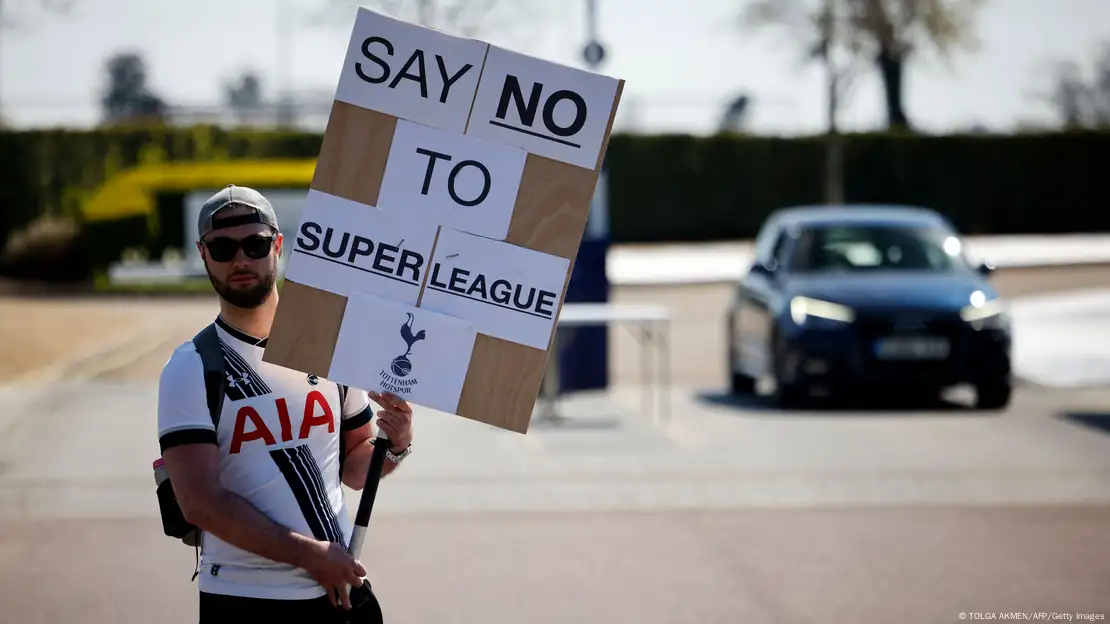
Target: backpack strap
207, 344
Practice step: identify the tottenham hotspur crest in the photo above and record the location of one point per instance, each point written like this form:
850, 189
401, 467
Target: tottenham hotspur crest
401, 365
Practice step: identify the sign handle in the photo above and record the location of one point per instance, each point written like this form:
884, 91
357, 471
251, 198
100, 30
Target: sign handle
369, 493
364, 604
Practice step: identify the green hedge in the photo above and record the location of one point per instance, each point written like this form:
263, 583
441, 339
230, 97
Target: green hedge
661, 188
53, 171
669, 188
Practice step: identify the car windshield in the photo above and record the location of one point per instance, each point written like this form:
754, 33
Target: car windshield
857, 248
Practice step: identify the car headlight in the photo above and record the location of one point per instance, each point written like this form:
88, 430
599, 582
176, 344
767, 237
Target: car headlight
987, 314
802, 308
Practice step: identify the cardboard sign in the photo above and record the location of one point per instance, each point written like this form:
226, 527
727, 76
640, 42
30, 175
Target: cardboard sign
410, 72
414, 353
345, 248
462, 181
506, 291
548, 109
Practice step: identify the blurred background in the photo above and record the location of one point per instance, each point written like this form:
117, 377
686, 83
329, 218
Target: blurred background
661, 480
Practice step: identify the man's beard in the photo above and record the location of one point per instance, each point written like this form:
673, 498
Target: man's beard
248, 298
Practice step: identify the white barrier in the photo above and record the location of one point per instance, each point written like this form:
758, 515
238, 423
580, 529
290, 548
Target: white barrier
645, 265
1062, 340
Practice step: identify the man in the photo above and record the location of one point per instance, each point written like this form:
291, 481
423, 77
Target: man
264, 488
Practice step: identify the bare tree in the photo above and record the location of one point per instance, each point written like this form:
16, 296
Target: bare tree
466, 18
824, 30
1081, 102
888, 32
244, 96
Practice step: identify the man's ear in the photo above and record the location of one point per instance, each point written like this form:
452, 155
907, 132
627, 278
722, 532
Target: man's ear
278, 240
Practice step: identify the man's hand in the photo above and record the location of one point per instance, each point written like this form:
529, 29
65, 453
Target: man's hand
334, 569
395, 419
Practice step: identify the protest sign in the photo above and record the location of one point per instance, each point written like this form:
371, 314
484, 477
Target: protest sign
450, 197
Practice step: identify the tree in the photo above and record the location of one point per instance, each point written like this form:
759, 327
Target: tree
888, 33
127, 97
824, 31
1079, 102
244, 95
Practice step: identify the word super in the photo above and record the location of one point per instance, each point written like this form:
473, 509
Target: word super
345, 247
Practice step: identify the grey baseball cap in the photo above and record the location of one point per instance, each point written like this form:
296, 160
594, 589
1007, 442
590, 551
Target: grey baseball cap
235, 195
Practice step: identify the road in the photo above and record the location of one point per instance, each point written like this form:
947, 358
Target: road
726, 512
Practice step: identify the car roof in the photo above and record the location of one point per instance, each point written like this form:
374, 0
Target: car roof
824, 214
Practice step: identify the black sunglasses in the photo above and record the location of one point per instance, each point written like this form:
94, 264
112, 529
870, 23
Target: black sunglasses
255, 247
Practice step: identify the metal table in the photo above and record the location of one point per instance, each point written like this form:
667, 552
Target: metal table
651, 327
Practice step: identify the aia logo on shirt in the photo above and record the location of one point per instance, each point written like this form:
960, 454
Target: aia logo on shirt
250, 426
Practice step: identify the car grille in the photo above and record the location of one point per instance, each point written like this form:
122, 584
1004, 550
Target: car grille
871, 328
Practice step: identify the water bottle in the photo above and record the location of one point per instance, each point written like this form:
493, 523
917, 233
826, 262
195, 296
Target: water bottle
160, 472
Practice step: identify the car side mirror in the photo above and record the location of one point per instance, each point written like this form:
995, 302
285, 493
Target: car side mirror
985, 268
759, 268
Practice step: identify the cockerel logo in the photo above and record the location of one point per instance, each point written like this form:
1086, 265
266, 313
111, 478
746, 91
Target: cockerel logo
401, 364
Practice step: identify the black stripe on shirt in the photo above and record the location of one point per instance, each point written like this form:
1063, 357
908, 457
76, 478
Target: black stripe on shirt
358, 420
187, 436
312, 469
307, 489
242, 381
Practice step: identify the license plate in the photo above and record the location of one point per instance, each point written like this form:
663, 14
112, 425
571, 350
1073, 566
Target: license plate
912, 348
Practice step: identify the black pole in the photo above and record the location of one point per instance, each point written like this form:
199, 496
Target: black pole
370, 490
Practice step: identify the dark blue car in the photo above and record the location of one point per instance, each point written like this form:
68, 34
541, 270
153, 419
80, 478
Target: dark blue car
866, 300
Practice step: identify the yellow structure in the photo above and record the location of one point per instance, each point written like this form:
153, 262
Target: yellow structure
132, 193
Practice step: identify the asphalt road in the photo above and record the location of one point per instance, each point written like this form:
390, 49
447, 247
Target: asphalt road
724, 512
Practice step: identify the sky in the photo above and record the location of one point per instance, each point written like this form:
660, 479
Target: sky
682, 60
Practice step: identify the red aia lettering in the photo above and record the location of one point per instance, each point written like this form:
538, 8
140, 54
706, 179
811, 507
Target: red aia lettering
283, 416
310, 417
261, 432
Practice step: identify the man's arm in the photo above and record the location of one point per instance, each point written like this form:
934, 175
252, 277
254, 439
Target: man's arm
205, 503
358, 432
360, 448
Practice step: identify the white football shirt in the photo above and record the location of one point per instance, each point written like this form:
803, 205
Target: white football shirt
278, 440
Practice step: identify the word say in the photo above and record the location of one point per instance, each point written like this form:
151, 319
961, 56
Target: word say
548, 109
411, 72
382, 254
415, 353
506, 291
454, 180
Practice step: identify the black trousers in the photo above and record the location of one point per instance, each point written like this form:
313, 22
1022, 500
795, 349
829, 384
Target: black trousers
221, 609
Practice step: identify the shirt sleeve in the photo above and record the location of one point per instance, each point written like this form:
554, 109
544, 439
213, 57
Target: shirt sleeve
357, 410
183, 416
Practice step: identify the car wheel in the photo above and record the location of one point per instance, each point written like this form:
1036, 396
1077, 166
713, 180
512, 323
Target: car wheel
993, 396
788, 395
740, 383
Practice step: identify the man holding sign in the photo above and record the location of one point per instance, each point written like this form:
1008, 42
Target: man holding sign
257, 453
